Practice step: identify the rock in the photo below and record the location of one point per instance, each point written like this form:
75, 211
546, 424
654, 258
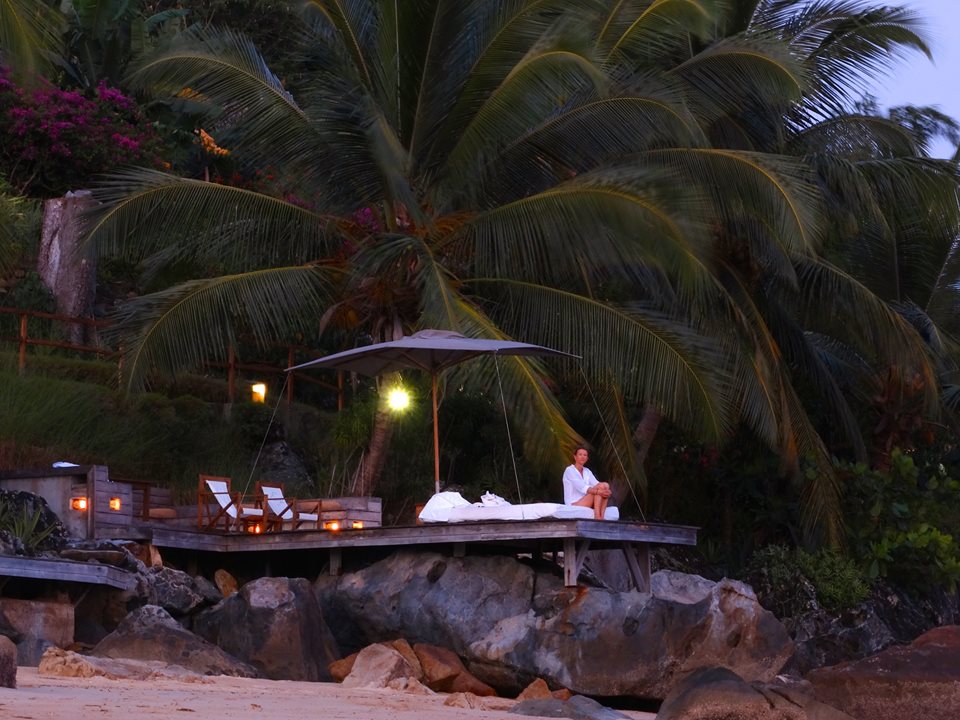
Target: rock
339, 669
920, 681
465, 700
8, 663
280, 462
562, 694
174, 591
719, 694
822, 638
26, 505
537, 690
445, 672
99, 613
377, 666
39, 624
511, 625
430, 598
275, 624
150, 633
210, 592
410, 685
57, 662
404, 648
225, 582
578, 708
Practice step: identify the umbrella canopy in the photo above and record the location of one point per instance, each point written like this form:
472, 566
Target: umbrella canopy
428, 350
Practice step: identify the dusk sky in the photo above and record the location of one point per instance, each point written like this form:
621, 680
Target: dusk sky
920, 82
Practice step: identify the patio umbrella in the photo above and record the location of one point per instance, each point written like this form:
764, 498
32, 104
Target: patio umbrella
428, 350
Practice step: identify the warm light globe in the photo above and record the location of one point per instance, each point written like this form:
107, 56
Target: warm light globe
398, 399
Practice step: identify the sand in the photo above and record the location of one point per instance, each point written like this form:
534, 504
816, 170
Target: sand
98, 698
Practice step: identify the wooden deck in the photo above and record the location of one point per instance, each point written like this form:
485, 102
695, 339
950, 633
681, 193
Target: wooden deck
572, 538
65, 571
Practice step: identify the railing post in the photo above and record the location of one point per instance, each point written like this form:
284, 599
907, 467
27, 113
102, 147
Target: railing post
231, 373
22, 359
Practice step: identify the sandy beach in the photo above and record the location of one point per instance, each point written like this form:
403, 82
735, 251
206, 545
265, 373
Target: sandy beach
98, 698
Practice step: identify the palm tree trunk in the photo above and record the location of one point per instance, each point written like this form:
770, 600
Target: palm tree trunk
368, 474
646, 431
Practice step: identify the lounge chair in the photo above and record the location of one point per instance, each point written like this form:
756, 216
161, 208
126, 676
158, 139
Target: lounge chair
216, 505
282, 511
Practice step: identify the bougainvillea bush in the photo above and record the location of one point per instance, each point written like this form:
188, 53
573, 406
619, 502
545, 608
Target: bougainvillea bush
54, 140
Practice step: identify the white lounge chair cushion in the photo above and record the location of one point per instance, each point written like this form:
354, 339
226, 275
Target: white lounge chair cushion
219, 490
439, 506
278, 505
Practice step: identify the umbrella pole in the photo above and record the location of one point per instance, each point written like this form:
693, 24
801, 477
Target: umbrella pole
436, 438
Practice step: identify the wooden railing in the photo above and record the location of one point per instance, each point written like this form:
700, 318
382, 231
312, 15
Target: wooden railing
233, 367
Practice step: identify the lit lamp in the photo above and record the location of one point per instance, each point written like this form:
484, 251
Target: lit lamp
255, 529
258, 392
331, 525
398, 399
357, 525
78, 503
115, 504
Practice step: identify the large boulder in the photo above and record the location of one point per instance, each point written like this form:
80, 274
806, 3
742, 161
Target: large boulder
37, 625
719, 694
376, 666
275, 624
8, 662
920, 681
150, 633
511, 624
175, 591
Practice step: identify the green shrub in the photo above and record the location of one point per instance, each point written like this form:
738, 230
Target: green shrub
903, 523
838, 581
791, 581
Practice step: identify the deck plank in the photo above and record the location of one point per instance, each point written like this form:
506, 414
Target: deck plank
65, 570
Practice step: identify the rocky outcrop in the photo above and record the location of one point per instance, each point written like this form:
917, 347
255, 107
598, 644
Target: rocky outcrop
57, 662
719, 694
512, 625
8, 663
920, 681
275, 624
150, 633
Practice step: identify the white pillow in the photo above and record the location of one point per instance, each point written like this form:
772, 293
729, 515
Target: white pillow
439, 506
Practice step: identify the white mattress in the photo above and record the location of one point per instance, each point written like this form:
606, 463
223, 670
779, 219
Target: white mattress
528, 511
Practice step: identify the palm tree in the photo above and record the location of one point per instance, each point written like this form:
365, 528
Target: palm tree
609, 178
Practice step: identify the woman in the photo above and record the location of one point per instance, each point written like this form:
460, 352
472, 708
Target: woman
581, 488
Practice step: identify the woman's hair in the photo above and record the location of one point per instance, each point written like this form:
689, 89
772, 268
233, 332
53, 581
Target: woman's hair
578, 448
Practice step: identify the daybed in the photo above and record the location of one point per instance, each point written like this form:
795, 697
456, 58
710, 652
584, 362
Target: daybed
452, 507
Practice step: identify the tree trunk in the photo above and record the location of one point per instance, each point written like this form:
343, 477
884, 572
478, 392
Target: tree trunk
646, 431
368, 474
68, 268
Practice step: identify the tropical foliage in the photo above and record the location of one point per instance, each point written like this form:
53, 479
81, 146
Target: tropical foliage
691, 195
682, 193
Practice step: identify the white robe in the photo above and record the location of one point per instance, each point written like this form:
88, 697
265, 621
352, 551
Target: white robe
575, 485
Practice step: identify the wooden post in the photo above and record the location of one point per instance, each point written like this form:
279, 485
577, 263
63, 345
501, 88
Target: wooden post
336, 561
22, 362
339, 390
231, 374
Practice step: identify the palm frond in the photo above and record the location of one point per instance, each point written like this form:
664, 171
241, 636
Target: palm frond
658, 360
612, 220
778, 192
636, 32
742, 72
29, 34
867, 323
192, 323
232, 224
